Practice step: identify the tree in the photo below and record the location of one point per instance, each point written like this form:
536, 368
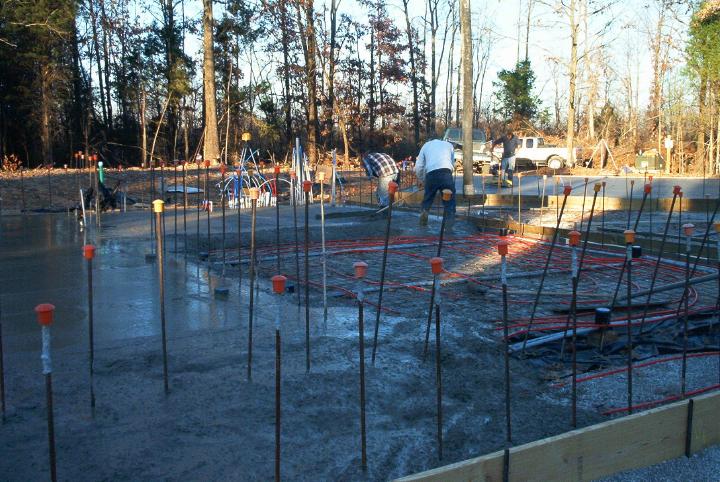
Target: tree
517, 102
467, 115
211, 149
704, 61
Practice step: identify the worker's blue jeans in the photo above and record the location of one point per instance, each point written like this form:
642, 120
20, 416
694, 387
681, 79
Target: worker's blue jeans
435, 181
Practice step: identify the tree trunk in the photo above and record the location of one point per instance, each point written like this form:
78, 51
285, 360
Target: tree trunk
310, 67
467, 115
106, 59
286, 68
211, 150
45, 100
413, 76
96, 51
573, 79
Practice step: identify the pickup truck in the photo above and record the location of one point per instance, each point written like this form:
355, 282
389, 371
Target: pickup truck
533, 152
481, 151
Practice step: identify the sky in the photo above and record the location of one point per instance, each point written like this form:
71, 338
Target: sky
624, 27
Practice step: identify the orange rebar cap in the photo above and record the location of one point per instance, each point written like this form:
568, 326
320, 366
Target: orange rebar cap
158, 205
648, 188
629, 236
436, 264
360, 268
44, 313
321, 176
446, 194
246, 136
688, 229
207, 163
254, 193
277, 169
567, 189
293, 174
677, 190
223, 169
650, 178
307, 186
574, 238
89, 251
393, 187
278, 283
717, 227
597, 187
502, 248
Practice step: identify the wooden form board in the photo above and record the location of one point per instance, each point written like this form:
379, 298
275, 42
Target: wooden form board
638, 440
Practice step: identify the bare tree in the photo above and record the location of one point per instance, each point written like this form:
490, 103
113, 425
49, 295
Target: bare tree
467, 115
211, 148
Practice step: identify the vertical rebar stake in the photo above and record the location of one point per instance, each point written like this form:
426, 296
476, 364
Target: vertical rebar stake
44, 314
254, 195
688, 231
159, 208
574, 241
278, 282
360, 268
392, 190
89, 254
207, 205
222, 208
629, 240
307, 186
185, 205
503, 251
321, 178
294, 200
175, 205
436, 265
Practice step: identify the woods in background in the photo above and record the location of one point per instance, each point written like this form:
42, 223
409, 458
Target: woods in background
131, 79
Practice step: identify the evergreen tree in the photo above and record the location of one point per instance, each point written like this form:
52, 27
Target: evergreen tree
517, 102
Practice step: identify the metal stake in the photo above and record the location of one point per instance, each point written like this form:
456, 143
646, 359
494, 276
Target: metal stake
175, 216
89, 253
629, 240
254, 195
44, 314
321, 178
688, 230
185, 206
446, 196
566, 192
392, 189
222, 208
436, 265
307, 186
159, 208
503, 251
360, 272
278, 288
293, 187
207, 206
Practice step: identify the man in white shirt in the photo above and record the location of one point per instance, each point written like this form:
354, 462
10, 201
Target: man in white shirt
435, 165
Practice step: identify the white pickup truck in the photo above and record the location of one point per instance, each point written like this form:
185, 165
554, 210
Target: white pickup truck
533, 152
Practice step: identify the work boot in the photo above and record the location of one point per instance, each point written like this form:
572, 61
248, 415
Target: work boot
508, 183
424, 217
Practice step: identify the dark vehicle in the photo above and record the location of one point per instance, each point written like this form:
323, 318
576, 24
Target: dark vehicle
481, 155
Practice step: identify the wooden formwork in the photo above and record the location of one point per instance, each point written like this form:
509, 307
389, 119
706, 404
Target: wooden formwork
631, 442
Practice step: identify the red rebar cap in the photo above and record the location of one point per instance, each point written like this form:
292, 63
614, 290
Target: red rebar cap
307, 186
254, 193
207, 163
44, 313
688, 229
89, 251
650, 178
393, 187
567, 190
436, 264
574, 238
677, 190
446, 194
629, 236
277, 169
502, 248
223, 169
597, 187
360, 268
293, 174
648, 188
278, 282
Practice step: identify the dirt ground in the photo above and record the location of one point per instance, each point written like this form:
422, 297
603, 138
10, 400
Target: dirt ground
217, 424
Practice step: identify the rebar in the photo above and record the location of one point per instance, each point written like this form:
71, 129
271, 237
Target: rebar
158, 208
307, 277
251, 304
566, 193
391, 193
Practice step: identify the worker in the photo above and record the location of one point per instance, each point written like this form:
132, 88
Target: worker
383, 167
434, 166
510, 144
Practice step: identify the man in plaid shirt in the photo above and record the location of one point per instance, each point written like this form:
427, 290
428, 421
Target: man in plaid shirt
382, 166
